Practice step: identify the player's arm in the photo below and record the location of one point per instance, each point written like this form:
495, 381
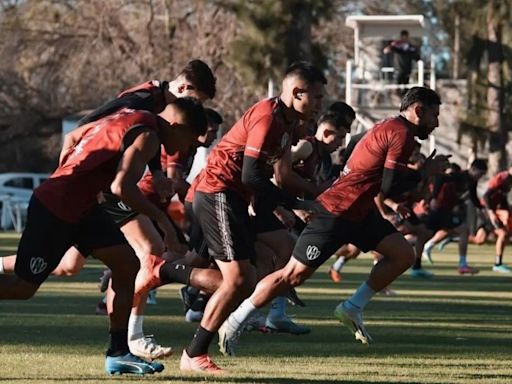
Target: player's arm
129, 171
175, 173
289, 180
301, 151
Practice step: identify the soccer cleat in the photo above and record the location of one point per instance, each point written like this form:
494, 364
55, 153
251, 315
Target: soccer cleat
335, 275
201, 363
228, 339
467, 270
502, 268
151, 297
294, 298
194, 316
256, 323
187, 298
129, 363
427, 255
147, 348
421, 273
104, 280
286, 325
354, 322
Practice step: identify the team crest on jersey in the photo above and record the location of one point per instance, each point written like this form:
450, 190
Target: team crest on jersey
312, 252
37, 265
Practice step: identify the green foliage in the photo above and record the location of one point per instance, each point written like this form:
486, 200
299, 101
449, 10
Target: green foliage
272, 35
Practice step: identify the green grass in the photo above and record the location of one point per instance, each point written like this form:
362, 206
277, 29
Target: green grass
452, 329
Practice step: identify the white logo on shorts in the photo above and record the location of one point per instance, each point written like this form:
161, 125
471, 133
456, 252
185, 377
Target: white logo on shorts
312, 252
37, 265
123, 206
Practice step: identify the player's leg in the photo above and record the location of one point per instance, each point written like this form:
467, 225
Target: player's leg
501, 241
346, 253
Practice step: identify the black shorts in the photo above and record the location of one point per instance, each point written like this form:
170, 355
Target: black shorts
226, 225
325, 234
46, 239
442, 219
266, 221
119, 211
196, 242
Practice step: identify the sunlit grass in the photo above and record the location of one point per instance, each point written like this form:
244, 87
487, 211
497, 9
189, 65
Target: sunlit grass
452, 329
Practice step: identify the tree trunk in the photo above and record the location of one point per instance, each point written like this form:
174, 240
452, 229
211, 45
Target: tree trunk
497, 138
298, 46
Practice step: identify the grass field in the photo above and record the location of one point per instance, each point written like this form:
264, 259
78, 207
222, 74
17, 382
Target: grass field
452, 329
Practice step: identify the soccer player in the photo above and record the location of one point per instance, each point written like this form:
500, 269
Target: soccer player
239, 168
496, 204
348, 215
63, 211
446, 213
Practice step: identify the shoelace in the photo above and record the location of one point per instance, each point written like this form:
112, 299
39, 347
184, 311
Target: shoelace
207, 363
149, 341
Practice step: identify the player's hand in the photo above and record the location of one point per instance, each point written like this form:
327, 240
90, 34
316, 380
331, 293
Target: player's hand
163, 186
285, 216
403, 211
435, 165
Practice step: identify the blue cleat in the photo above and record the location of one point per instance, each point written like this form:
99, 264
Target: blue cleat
117, 365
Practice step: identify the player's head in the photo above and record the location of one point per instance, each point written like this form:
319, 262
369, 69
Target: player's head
343, 109
404, 35
452, 169
303, 89
332, 129
187, 121
420, 106
478, 168
195, 80
214, 120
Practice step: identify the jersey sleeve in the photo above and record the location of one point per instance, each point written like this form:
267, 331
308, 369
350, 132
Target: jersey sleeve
400, 147
260, 137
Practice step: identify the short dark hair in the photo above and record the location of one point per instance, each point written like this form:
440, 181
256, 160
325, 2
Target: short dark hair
404, 32
424, 96
336, 119
194, 115
343, 109
213, 116
479, 164
199, 74
306, 71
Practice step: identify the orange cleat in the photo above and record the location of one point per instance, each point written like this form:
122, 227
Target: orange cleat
335, 275
201, 363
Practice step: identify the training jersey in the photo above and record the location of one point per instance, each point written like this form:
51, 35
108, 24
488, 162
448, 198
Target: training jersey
388, 144
181, 160
261, 133
148, 96
498, 188
451, 190
91, 165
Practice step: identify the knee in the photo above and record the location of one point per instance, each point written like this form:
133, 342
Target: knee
244, 285
150, 248
295, 278
24, 290
129, 266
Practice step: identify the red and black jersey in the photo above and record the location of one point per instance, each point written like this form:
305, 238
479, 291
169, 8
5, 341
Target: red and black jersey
182, 160
498, 188
148, 96
451, 190
388, 144
262, 133
91, 165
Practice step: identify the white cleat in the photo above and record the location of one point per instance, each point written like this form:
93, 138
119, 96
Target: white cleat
147, 348
228, 339
354, 322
